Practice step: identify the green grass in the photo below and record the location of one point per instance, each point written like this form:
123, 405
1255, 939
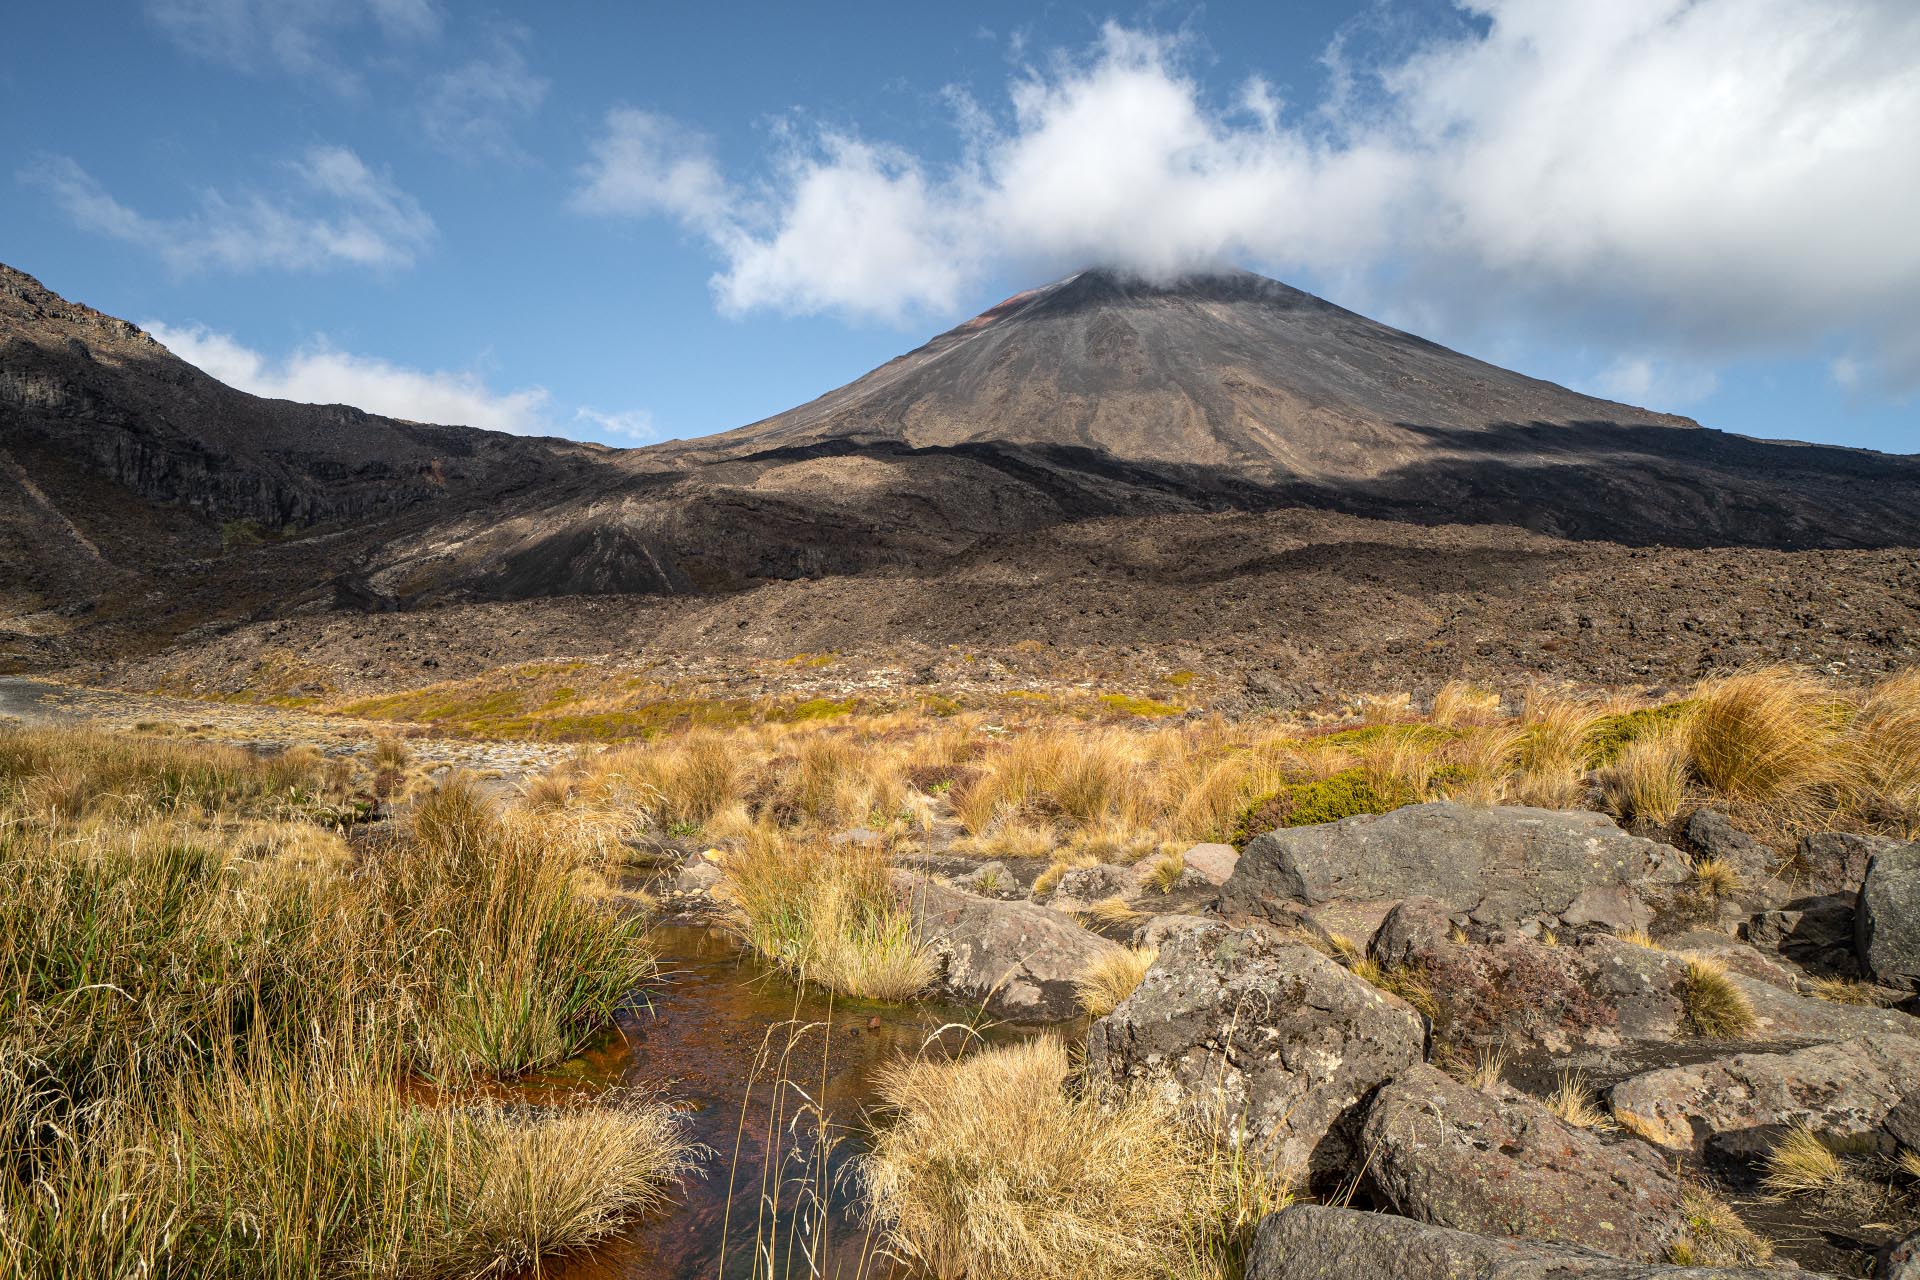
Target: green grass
1307, 804
206, 1018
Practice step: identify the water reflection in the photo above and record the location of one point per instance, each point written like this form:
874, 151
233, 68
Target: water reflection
720, 1020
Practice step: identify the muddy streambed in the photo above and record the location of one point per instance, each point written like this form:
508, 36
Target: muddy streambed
723, 1032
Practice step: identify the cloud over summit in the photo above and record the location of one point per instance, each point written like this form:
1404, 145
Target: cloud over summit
1716, 178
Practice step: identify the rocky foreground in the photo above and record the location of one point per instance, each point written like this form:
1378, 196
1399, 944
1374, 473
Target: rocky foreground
1529, 1042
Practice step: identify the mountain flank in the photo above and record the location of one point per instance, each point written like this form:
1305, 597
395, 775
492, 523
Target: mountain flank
144, 504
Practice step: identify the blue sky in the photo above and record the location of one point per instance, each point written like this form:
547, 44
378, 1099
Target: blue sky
636, 221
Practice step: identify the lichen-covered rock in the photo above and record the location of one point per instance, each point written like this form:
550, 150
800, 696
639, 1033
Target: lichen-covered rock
1019, 958
1085, 886
992, 880
1846, 1089
1504, 868
1259, 1034
1447, 1153
1788, 1018
1592, 992
1887, 924
1318, 1242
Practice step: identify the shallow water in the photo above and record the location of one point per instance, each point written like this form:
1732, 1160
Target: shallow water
720, 1020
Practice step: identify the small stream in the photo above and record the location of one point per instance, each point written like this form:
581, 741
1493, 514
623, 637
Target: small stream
721, 1018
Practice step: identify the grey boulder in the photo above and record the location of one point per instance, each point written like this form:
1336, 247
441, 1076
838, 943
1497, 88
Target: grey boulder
1444, 1152
1317, 1242
1887, 924
1846, 1089
1502, 868
1020, 959
1260, 1036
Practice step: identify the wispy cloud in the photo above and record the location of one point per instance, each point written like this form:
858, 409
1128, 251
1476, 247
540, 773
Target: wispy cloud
632, 425
1713, 177
321, 374
301, 38
471, 111
328, 210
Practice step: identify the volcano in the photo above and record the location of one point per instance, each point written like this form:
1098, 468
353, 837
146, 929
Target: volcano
134, 487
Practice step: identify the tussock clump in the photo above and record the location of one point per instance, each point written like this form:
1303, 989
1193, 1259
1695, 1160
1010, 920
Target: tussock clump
1552, 754
1765, 735
993, 1170
1462, 703
1111, 978
1649, 777
1800, 1164
209, 1017
1572, 1101
1848, 991
1715, 1007
1886, 753
827, 914
1712, 1235
1715, 877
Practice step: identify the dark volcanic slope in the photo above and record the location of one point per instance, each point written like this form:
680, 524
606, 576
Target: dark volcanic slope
141, 501
1241, 391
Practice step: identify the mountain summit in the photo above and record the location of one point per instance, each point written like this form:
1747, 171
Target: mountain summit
1231, 371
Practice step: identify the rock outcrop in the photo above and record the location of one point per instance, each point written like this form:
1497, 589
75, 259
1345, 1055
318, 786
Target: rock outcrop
1018, 958
1316, 1242
1845, 1089
1501, 868
1446, 1153
1888, 919
1259, 1035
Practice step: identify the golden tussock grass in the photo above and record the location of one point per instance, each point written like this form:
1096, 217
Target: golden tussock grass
827, 914
1489, 1066
1112, 977
1573, 1102
1800, 1164
1715, 1007
993, 1168
1715, 877
210, 1012
1712, 1234
1767, 735
1649, 778
1460, 703
1848, 991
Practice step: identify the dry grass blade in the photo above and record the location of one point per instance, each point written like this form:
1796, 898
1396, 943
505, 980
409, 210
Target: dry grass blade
1111, 977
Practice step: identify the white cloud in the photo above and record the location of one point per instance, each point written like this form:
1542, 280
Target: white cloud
298, 37
1717, 177
320, 374
1650, 380
630, 424
470, 112
644, 163
331, 211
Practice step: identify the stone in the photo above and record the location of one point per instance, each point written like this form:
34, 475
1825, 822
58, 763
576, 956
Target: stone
1887, 924
1214, 861
858, 837
992, 880
1902, 1124
1499, 867
1262, 1036
1019, 958
1815, 933
1836, 861
1444, 1152
1088, 885
1900, 1260
1714, 835
1319, 1242
1783, 1016
1592, 992
1846, 1089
